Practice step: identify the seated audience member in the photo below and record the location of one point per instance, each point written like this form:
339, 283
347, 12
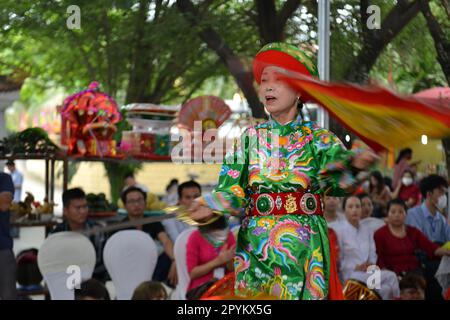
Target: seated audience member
357, 251
412, 287
379, 193
407, 190
171, 197
427, 217
366, 214
403, 163
134, 200
397, 244
8, 289
29, 276
331, 210
187, 193
92, 289
210, 252
130, 181
75, 212
150, 290
153, 203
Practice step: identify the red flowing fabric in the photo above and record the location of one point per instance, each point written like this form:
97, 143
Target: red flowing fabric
382, 118
335, 286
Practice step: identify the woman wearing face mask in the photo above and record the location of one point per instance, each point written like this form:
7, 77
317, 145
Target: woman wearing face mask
407, 190
397, 243
209, 255
279, 173
403, 163
357, 251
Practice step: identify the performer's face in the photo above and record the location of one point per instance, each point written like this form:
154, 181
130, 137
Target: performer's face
276, 95
353, 209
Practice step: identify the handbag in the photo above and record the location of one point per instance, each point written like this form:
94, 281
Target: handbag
197, 292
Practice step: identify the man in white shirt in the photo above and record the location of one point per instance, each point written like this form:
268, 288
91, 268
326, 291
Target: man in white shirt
17, 178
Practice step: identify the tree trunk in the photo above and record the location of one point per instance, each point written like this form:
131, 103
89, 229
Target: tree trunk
242, 76
267, 21
376, 40
441, 42
442, 45
139, 75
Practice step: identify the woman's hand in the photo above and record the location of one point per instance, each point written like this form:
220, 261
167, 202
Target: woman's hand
226, 254
362, 267
364, 159
199, 212
442, 252
410, 203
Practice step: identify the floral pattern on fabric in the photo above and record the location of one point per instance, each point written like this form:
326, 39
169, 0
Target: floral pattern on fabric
285, 256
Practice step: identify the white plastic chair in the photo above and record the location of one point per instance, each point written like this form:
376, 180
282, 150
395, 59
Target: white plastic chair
130, 257
66, 259
179, 250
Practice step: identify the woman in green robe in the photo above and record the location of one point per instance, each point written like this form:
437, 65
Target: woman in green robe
278, 174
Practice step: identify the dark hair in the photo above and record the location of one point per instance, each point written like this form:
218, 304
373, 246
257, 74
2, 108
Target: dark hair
377, 175
388, 182
431, 182
148, 290
10, 163
188, 184
171, 183
403, 153
363, 195
348, 197
92, 288
129, 175
28, 272
125, 193
398, 202
219, 224
300, 108
412, 280
412, 173
72, 194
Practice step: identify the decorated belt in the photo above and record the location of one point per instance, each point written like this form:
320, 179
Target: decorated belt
264, 204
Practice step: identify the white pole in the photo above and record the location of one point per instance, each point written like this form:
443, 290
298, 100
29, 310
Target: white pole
324, 53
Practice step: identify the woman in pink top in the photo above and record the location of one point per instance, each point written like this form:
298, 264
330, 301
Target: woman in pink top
209, 249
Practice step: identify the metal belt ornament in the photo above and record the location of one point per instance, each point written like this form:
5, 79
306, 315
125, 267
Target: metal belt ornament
285, 203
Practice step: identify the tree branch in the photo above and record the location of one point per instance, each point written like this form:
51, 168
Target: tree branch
286, 13
396, 20
366, 33
441, 43
236, 67
267, 20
